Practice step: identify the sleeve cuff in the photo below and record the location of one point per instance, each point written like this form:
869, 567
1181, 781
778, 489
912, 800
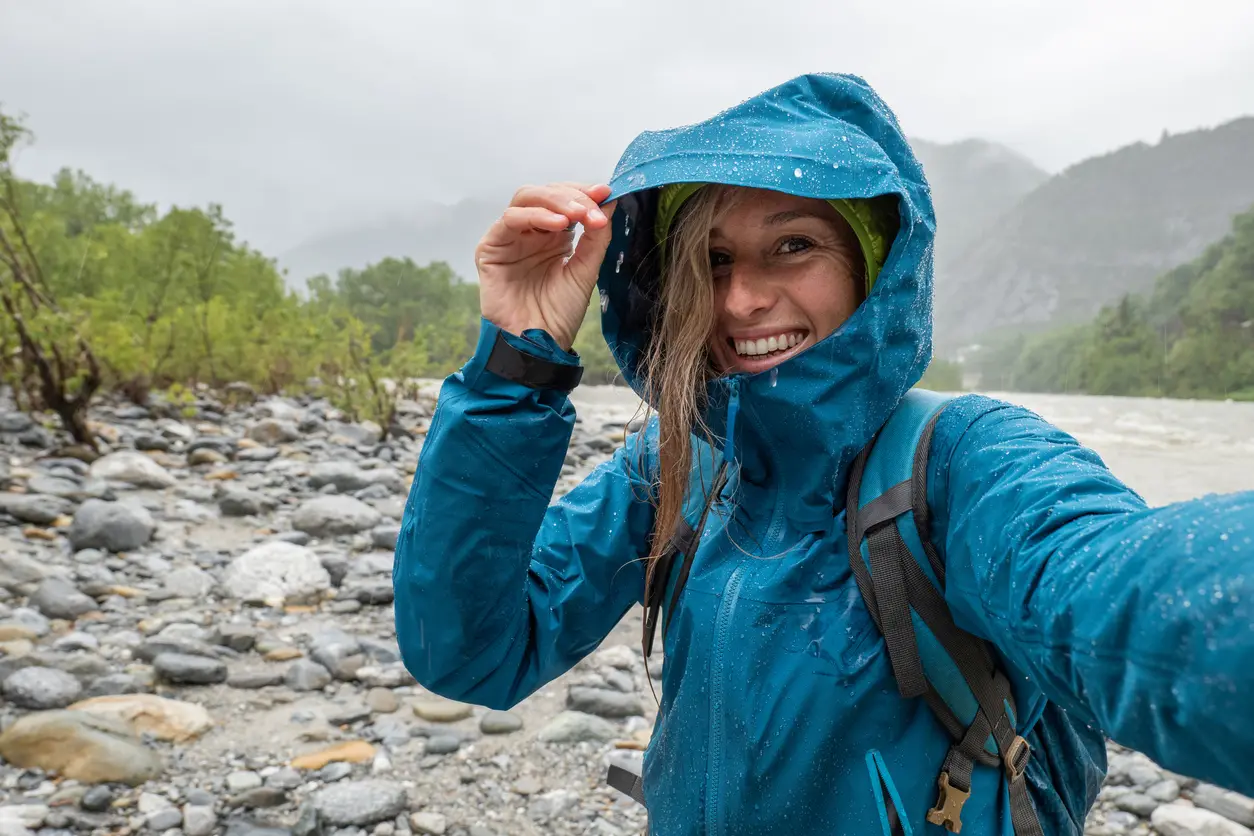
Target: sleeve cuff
534, 342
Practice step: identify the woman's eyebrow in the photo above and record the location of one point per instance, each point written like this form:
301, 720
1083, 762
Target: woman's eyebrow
789, 215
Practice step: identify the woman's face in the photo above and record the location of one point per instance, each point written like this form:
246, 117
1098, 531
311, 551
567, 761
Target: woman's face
784, 278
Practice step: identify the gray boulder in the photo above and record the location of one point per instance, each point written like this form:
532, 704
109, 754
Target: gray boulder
113, 526
35, 508
332, 516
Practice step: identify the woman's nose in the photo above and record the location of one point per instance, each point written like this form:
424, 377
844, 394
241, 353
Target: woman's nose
746, 294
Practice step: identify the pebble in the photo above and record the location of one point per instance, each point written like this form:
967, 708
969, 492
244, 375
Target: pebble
41, 688
500, 722
428, 823
199, 820
382, 700
304, 675
97, 799
442, 711
185, 669
360, 802
442, 744
1230, 805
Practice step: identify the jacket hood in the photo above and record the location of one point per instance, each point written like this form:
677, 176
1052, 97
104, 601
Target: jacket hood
798, 426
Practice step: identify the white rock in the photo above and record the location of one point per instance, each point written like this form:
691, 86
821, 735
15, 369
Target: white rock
431, 823
331, 516
133, 468
276, 572
1178, 820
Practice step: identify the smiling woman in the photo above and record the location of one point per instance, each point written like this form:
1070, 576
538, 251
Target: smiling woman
882, 610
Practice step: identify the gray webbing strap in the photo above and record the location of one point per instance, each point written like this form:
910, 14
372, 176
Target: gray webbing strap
889, 505
626, 782
887, 558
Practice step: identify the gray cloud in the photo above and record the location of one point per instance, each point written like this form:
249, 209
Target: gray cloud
301, 115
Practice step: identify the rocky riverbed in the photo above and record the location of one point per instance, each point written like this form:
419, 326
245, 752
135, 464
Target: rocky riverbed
196, 637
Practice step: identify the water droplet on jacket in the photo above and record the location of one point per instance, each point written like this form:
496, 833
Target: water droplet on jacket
796, 172
775, 373
619, 266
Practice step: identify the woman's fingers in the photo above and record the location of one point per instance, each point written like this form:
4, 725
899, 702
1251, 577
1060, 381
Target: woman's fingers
526, 218
577, 204
585, 262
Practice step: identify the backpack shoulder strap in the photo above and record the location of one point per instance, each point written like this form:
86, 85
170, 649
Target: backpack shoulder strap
902, 580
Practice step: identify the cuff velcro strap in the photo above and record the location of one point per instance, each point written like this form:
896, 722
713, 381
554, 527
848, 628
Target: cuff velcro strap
520, 367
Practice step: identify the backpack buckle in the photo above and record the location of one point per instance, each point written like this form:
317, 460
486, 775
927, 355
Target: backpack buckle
1016, 758
948, 810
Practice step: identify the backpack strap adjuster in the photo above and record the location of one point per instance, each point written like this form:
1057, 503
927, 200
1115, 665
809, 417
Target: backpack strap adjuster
948, 810
1016, 758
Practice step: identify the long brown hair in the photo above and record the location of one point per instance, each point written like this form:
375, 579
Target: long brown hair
678, 363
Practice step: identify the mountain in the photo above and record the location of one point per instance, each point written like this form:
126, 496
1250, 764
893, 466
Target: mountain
973, 183
1191, 337
1099, 230
429, 232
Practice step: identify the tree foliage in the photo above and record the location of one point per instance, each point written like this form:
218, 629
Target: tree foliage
1192, 337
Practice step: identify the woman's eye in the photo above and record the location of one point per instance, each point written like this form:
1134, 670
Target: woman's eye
719, 260
796, 244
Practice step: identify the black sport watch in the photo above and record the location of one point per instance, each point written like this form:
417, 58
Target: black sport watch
519, 366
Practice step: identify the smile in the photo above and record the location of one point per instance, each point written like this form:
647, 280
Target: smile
765, 346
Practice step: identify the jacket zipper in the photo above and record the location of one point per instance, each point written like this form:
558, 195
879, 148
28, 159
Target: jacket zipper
731, 592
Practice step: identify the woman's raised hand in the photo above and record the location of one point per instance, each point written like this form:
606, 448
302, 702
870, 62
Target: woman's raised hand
531, 274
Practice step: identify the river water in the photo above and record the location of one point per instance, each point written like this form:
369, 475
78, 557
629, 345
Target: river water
1167, 450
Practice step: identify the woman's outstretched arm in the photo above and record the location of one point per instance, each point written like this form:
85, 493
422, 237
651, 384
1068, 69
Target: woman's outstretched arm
1137, 621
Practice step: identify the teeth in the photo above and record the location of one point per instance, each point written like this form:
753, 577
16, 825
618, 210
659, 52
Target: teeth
766, 345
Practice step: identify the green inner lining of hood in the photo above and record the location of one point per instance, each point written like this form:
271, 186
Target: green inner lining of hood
872, 223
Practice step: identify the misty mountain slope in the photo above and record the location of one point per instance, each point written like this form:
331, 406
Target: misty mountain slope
1103, 228
430, 232
973, 182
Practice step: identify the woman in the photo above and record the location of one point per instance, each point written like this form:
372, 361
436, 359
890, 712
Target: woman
766, 283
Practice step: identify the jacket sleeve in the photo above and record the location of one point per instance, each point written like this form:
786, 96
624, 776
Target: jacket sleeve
1137, 621
497, 590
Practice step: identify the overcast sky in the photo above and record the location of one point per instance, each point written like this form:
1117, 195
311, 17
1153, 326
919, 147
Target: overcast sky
302, 114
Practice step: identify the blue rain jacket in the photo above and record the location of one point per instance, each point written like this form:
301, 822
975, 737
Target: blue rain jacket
779, 711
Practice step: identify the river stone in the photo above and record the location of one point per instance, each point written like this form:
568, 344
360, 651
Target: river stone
551, 804
430, 824
133, 468
189, 582
305, 675
1178, 820
274, 431
577, 727
252, 680
275, 573
442, 744
1165, 791
382, 700
332, 516
1228, 804
185, 669
15, 422
35, 508
18, 571
199, 820
603, 702
360, 803
364, 432
442, 711
163, 718
241, 502
1134, 802
500, 722
81, 746
113, 526
346, 476
385, 536
57, 598
41, 688
163, 820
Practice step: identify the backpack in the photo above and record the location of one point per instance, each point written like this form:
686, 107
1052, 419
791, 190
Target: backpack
901, 579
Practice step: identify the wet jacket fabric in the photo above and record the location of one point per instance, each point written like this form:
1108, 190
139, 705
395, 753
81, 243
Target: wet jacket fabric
779, 711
